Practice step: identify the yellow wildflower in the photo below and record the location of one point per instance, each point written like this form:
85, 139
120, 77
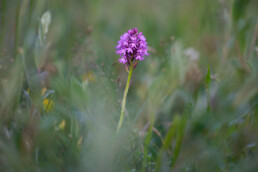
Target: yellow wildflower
62, 124
89, 76
48, 105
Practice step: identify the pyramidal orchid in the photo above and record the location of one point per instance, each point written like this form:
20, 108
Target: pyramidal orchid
132, 48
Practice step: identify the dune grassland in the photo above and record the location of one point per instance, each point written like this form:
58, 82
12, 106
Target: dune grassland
191, 106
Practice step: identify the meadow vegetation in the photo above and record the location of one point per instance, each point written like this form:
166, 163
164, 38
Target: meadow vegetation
192, 104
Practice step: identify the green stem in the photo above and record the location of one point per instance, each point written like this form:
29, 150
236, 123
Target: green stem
124, 99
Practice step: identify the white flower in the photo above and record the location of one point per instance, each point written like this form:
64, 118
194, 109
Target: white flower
192, 54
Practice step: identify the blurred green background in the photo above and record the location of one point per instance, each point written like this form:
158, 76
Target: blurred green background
192, 104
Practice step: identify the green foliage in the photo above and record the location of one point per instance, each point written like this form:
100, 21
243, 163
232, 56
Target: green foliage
61, 87
239, 8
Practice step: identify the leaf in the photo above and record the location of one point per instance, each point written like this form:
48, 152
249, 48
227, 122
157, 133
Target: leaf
179, 139
49, 93
171, 132
175, 132
40, 42
167, 141
239, 7
44, 25
74, 128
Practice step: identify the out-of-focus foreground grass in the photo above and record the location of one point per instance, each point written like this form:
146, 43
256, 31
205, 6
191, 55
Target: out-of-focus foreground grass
192, 104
